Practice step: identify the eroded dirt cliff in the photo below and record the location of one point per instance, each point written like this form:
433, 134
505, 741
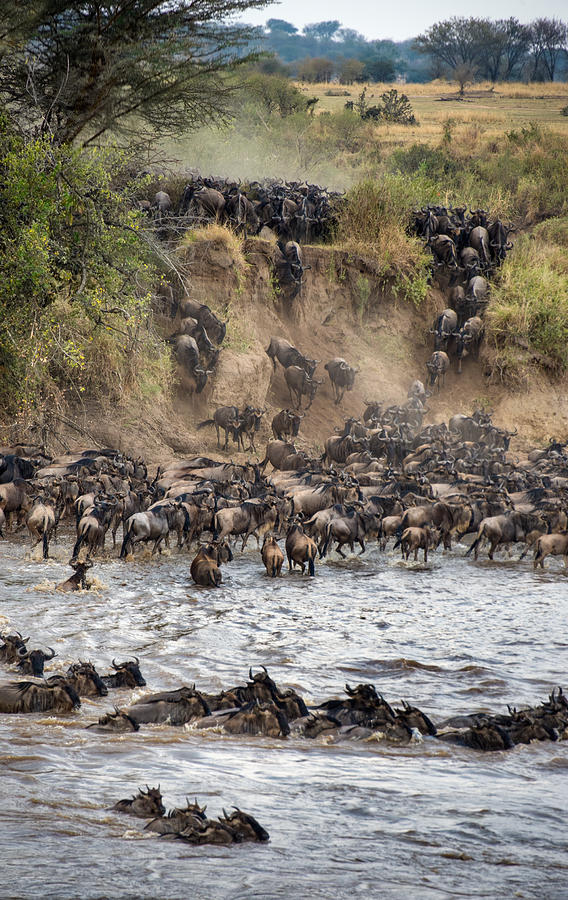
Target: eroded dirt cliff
344, 309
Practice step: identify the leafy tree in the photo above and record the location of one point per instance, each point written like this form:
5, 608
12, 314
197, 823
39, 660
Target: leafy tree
81, 68
75, 274
464, 74
351, 70
380, 69
316, 69
454, 41
276, 94
547, 41
322, 31
281, 25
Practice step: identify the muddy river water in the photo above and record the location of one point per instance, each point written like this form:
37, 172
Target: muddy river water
427, 820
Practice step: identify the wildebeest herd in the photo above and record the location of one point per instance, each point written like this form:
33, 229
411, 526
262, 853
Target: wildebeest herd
291, 210
466, 247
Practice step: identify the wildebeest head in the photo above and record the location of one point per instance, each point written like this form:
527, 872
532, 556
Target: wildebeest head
129, 673
86, 680
117, 722
258, 718
145, 805
13, 644
32, 662
245, 825
415, 718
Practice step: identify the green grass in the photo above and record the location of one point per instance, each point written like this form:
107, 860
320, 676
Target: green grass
527, 318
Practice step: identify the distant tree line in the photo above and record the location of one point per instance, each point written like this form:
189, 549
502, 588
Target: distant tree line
468, 49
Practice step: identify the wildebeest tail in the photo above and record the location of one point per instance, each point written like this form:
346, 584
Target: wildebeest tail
206, 422
323, 551
311, 566
398, 539
45, 543
476, 542
78, 545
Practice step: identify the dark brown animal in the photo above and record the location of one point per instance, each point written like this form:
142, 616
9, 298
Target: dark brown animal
272, 556
143, 805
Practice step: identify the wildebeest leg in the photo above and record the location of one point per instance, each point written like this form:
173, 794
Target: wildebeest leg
289, 563
217, 430
340, 551
492, 549
425, 554
416, 555
362, 546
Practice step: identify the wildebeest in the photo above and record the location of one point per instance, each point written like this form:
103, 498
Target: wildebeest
415, 539
504, 529
289, 266
153, 525
14, 499
437, 366
93, 526
126, 674
272, 556
282, 350
144, 805
13, 647
78, 580
32, 662
177, 820
349, 528
86, 680
225, 418
284, 456
251, 517
479, 240
443, 250
300, 383
551, 545
117, 722
257, 718
42, 522
444, 327
205, 569
300, 549
244, 826
176, 708
57, 695
286, 424
248, 423
341, 376
468, 339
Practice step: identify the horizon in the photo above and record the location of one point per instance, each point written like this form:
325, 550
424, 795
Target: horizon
391, 23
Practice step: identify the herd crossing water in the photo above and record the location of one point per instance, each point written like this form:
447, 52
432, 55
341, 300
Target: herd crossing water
366, 818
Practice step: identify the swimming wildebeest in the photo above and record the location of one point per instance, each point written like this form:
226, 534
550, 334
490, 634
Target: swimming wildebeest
144, 805
205, 569
29, 697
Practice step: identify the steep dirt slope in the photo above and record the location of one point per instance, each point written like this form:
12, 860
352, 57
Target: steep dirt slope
344, 309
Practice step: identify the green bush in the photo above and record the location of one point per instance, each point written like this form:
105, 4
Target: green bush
75, 275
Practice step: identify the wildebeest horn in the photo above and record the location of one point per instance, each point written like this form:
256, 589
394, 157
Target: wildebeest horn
22, 652
53, 653
225, 813
250, 673
114, 665
136, 660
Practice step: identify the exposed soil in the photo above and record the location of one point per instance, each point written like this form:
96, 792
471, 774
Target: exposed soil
344, 309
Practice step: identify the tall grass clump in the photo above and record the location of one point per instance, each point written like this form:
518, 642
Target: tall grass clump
527, 319
374, 223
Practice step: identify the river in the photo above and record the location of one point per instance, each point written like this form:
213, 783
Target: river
427, 820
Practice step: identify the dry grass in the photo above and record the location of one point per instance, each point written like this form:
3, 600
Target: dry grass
493, 108
220, 235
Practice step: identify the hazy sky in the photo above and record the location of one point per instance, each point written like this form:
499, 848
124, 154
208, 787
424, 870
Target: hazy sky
403, 19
